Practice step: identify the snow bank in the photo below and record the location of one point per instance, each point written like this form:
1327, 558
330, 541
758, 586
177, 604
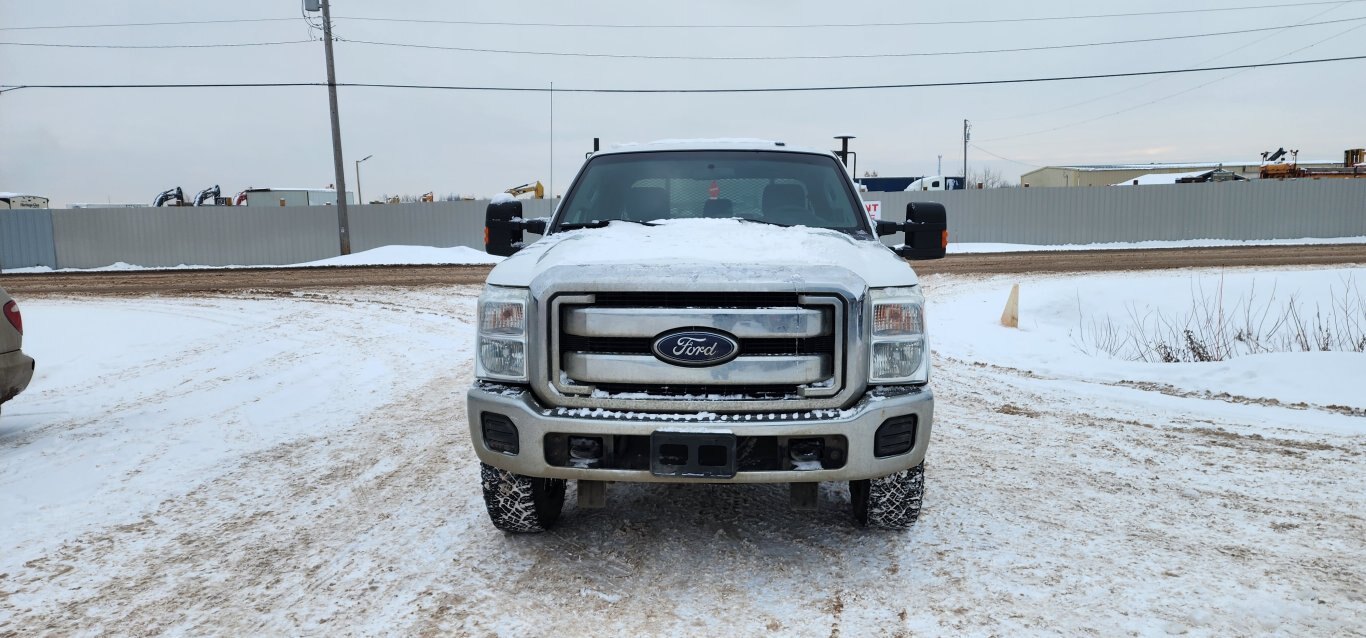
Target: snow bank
409, 255
382, 256
1059, 316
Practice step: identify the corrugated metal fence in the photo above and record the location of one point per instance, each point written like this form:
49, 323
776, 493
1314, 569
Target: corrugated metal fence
208, 236
26, 239
215, 236
432, 224
1230, 210
257, 235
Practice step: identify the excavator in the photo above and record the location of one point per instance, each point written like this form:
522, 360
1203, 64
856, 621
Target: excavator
168, 195
532, 187
209, 195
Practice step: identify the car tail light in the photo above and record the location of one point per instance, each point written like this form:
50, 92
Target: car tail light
12, 313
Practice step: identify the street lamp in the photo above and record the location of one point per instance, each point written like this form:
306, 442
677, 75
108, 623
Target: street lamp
360, 199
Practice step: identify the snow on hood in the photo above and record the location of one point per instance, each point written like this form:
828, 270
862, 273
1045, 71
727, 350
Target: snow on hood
706, 242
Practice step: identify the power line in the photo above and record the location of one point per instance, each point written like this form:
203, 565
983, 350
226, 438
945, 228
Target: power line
1237, 71
846, 56
152, 46
496, 23
142, 24
1156, 80
696, 26
1004, 158
699, 58
787, 89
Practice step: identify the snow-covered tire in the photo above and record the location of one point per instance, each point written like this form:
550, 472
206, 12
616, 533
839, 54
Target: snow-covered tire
889, 502
521, 504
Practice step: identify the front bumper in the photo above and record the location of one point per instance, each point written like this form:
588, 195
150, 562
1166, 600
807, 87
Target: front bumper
16, 370
857, 424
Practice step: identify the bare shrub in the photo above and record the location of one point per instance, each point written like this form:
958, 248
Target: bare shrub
1214, 328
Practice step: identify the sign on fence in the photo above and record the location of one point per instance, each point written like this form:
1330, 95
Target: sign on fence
874, 210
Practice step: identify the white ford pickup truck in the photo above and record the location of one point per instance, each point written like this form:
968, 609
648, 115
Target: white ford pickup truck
708, 311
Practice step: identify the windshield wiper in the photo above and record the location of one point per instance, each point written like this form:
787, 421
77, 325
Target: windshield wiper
600, 223
761, 221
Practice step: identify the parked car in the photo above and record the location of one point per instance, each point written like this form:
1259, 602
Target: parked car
16, 368
709, 311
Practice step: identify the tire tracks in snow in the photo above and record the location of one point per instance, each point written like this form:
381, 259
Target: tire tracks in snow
1084, 509
284, 531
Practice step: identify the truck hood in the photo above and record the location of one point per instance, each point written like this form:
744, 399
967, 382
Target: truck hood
722, 245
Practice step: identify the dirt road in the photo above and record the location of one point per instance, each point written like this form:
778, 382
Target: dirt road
266, 279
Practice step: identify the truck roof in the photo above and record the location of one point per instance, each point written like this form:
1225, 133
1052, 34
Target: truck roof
719, 144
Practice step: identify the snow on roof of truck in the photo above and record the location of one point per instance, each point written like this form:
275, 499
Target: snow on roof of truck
719, 144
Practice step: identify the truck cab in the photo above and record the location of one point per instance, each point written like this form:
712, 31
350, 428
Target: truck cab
716, 311
936, 183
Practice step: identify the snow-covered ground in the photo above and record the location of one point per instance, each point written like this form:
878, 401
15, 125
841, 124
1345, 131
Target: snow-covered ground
253, 464
1062, 320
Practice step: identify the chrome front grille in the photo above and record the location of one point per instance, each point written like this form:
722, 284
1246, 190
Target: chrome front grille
791, 347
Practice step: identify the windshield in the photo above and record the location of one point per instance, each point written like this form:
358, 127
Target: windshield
773, 187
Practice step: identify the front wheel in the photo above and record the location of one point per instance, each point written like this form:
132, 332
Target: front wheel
889, 502
521, 504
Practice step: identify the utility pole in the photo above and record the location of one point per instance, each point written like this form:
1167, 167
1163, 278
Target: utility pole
552, 145
967, 135
343, 233
939, 168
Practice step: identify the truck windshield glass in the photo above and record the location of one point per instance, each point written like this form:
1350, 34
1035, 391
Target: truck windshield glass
791, 189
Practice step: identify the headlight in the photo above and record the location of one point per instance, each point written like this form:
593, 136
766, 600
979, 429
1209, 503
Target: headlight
899, 349
502, 341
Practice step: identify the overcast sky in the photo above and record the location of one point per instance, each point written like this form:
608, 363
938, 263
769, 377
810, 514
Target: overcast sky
128, 145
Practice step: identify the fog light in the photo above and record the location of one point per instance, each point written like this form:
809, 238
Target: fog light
500, 435
895, 436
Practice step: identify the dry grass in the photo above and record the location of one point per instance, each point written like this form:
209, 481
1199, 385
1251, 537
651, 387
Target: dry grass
1215, 328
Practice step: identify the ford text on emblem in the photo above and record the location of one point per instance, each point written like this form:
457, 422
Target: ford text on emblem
696, 348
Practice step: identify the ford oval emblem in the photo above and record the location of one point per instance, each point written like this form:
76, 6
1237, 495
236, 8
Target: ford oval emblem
695, 348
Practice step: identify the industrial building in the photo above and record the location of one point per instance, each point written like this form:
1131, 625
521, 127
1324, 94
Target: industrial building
1107, 174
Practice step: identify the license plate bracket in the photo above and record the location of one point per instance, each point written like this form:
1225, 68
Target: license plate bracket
692, 454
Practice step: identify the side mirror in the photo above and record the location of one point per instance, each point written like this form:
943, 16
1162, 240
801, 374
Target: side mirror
503, 228
927, 231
